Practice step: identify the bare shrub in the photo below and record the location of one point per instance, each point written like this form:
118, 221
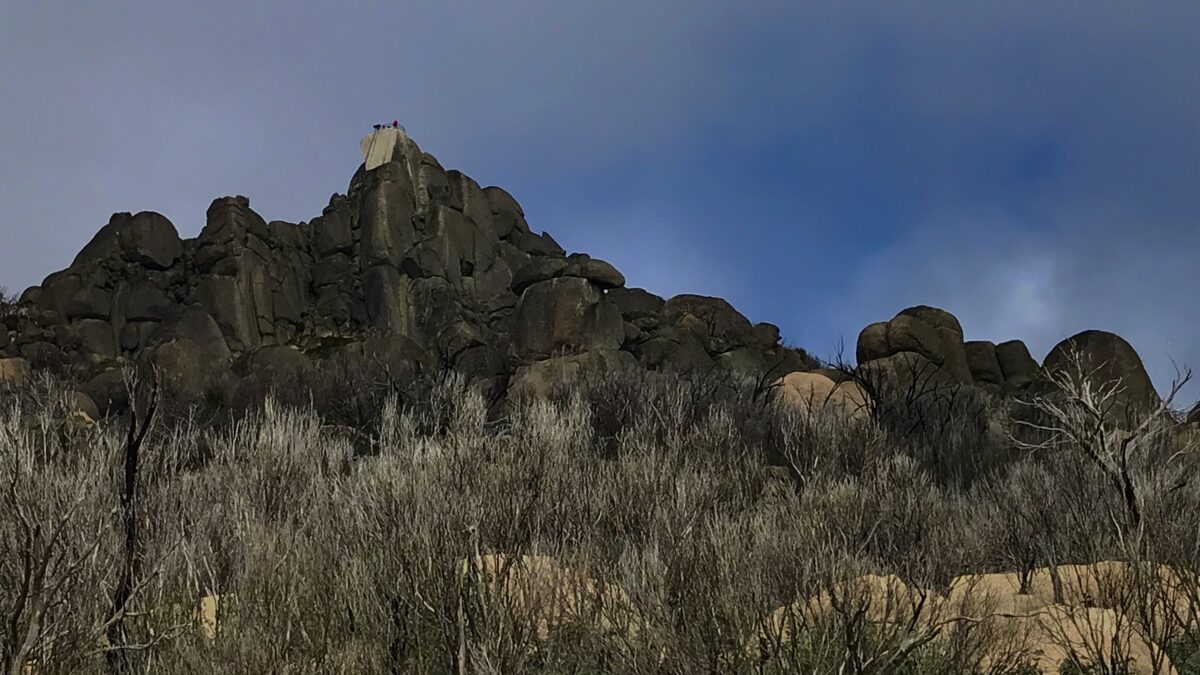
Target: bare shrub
651, 487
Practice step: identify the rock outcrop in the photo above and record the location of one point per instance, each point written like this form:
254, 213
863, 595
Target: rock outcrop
448, 274
448, 271
924, 345
1109, 361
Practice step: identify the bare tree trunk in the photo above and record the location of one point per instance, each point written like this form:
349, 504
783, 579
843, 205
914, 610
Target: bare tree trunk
118, 658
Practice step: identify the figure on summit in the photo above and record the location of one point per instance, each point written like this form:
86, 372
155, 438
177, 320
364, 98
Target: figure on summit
379, 148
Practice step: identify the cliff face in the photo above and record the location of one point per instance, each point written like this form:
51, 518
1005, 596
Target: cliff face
443, 271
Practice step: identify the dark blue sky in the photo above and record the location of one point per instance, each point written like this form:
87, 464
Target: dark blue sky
1033, 167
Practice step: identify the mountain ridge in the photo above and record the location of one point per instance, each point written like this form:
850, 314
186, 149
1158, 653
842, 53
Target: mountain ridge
450, 270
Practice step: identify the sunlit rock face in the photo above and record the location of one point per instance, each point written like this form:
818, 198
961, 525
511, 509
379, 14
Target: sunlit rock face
381, 146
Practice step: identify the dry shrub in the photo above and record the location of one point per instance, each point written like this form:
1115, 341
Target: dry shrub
661, 487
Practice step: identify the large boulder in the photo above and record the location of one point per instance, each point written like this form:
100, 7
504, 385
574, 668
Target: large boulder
875, 599
713, 317
536, 271
950, 334
190, 353
873, 342
673, 350
14, 371
1016, 364
469, 198
108, 391
1059, 637
539, 379
981, 359
93, 337
911, 334
636, 303
596, 271
561, 316
1107, 359
905, 373
810, 391
506, 214
147, 239
278, 364
535, 244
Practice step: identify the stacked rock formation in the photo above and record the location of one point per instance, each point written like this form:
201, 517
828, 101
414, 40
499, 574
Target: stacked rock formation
924, 347
449, 272
927, 343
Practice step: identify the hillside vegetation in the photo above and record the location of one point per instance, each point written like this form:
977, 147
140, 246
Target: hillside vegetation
636, 522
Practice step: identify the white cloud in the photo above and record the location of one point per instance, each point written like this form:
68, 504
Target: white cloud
1004, 281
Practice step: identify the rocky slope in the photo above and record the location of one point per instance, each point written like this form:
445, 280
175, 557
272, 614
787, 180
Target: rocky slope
447, 273
433, 271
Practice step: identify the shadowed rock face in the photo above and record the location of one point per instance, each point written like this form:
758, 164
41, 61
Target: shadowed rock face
1108, 358
926, 344
452, 270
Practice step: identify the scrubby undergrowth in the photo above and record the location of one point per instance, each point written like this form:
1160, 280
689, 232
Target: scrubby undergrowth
706, 507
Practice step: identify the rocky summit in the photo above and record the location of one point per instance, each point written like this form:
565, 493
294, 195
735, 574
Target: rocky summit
419, 269
444, 272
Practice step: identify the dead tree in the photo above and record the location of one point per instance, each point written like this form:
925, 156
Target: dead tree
140, 422
1078, 415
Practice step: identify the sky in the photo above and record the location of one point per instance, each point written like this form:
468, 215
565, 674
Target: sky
1033, 167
